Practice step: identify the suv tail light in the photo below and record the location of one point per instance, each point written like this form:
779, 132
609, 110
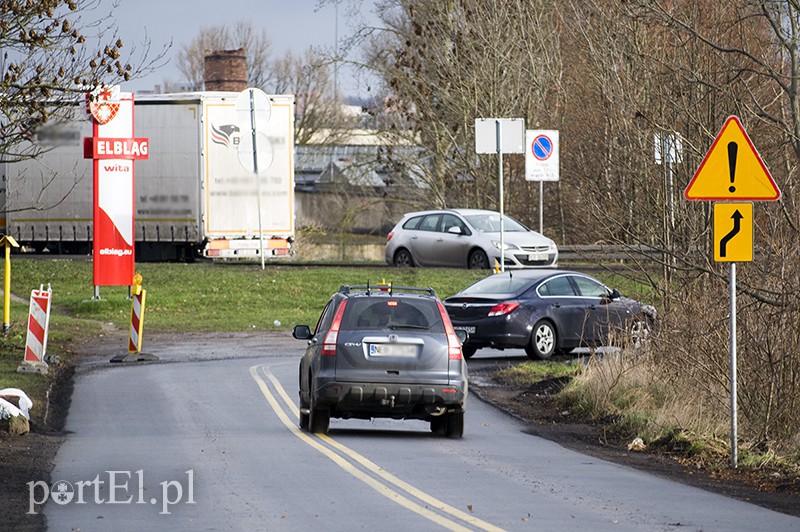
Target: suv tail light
329, 345
501, 309
453, 343
389, 236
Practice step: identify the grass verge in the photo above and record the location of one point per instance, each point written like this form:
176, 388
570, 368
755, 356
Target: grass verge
632, 398
528, 373
217, 296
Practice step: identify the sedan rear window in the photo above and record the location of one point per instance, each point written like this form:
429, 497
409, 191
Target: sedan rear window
498, 285
370, 313
413, 223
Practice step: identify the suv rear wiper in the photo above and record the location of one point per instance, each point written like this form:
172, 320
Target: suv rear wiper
392, 325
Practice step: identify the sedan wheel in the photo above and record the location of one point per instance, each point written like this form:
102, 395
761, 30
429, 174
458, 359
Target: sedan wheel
478, 260
403, 259
543, 341
640, 333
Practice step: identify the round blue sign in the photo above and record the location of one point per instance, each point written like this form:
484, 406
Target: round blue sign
542, 147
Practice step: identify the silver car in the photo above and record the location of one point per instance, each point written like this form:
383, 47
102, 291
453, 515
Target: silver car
468, 238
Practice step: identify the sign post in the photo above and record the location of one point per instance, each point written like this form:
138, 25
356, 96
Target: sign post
255, 152
541, 162
669, 151
732, 170
7, 241
500, 135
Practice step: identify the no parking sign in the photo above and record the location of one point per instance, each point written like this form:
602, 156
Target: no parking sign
541, 155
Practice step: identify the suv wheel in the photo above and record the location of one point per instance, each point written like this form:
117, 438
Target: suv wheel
303, 406
305, 414
454, 425
319, 419
468, 350
304, 420
437, 424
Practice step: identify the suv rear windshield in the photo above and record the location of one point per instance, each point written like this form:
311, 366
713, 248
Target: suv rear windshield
364, 313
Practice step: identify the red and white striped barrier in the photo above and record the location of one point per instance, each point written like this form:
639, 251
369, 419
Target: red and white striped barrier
137, 322
36, 342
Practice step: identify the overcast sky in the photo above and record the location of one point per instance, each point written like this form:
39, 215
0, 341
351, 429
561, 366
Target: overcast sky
290, 24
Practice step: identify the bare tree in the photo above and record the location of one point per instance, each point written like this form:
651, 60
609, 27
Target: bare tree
191, 58
656, 68
613, 77
319, 115
307, 76
445, 64
48, 64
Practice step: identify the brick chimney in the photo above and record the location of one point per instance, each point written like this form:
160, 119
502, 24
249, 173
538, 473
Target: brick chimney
226, 70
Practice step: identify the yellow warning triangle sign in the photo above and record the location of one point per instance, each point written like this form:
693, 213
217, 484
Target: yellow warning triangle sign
732, 170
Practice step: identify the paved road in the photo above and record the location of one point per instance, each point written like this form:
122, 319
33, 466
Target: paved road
206, 439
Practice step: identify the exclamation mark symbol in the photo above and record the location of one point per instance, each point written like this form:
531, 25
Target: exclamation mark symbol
733, 149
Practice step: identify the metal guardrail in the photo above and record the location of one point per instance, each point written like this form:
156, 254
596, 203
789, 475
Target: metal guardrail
566, 254
372, 254
608, 252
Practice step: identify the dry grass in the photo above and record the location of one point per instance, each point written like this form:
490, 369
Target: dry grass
676, 391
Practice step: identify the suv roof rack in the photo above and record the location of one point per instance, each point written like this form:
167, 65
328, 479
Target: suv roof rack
385, 287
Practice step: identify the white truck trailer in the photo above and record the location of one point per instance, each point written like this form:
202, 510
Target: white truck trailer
193, 196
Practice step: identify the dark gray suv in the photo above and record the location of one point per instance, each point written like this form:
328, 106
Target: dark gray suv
383, 352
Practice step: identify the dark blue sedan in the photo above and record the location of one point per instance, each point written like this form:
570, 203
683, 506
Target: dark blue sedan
546, 312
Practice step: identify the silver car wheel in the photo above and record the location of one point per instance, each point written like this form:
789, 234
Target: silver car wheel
543, 341
544, 338
403, 259
478, 260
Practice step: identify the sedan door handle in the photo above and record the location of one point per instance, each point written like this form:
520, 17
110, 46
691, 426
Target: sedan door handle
557, 305
592, 307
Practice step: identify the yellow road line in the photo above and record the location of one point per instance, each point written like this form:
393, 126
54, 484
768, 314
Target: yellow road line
347, 466
371, 466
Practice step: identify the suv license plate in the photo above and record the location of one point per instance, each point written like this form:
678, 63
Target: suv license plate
470, 329
392, 350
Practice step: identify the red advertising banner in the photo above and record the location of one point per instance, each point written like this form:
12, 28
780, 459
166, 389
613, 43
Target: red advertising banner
113, 148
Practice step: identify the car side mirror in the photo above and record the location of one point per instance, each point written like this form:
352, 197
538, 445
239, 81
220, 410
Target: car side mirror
455, 230
302, 332
614, 294
462, 335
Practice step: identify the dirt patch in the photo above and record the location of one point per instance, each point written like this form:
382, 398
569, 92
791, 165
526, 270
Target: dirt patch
536, 406
29, 458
